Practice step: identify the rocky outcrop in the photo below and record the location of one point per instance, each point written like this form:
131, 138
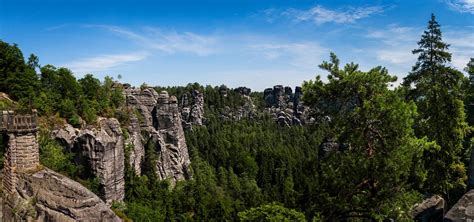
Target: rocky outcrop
463, 210
164, 133
192, 110
134, 146
431, 209
101, 151
168, 136
285, 106
144, 102
245, 111
66, 135
48, 196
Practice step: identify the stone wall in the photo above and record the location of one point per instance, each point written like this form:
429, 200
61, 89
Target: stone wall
22, 155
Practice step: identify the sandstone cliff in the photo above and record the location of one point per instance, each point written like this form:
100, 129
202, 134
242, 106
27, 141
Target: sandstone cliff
192, 109
100, 150
285, 106
161, 123
48, 196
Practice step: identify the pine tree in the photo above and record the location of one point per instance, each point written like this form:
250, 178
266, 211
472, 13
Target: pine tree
469, 99
437, 90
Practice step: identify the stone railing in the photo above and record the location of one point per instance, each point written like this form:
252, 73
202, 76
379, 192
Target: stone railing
18, 122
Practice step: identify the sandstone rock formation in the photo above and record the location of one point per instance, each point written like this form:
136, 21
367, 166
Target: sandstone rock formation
245, 111
48, 196
66, 135
169, 137
102, 150
134, 145
463, 210
163, 129
285, 106
32, 193
192, 110
143, 101
431, 209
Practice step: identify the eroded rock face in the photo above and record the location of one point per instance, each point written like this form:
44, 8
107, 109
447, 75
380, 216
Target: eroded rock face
285, 106
170, 142
66, 135
431, 209
165, 131
463, 210
144, 101
197, 110
135, 146
102, 150
246, 111
192, 111
49, 196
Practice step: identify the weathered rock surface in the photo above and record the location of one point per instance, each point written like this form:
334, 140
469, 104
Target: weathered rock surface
164, 131
463, 210
135, 146
285, 106
66, 135
101, 151
431, 209
170, 142
48, 196
192, 110
144, 101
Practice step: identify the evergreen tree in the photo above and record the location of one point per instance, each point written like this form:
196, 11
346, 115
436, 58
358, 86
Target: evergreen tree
16, 77
437, 90
469, 100
372, 126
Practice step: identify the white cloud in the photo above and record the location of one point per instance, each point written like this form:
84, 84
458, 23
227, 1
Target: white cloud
104, 62
398, 42
395, 35
304, 55
169, 41
400, 56
464, 6
320, 15
462, 47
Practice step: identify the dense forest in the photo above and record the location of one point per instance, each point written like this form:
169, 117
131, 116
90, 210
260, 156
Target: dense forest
396, 146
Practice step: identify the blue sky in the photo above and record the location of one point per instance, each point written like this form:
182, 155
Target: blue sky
255, 43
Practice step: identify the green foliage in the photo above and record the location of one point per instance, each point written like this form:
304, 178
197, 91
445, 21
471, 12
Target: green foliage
391, 146
16, 78
271, 212
53, 156
438, 92
372, 124
469, 99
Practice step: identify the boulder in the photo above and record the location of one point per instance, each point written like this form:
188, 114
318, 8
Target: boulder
49, 196
463, 210
66, 135
431, 209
